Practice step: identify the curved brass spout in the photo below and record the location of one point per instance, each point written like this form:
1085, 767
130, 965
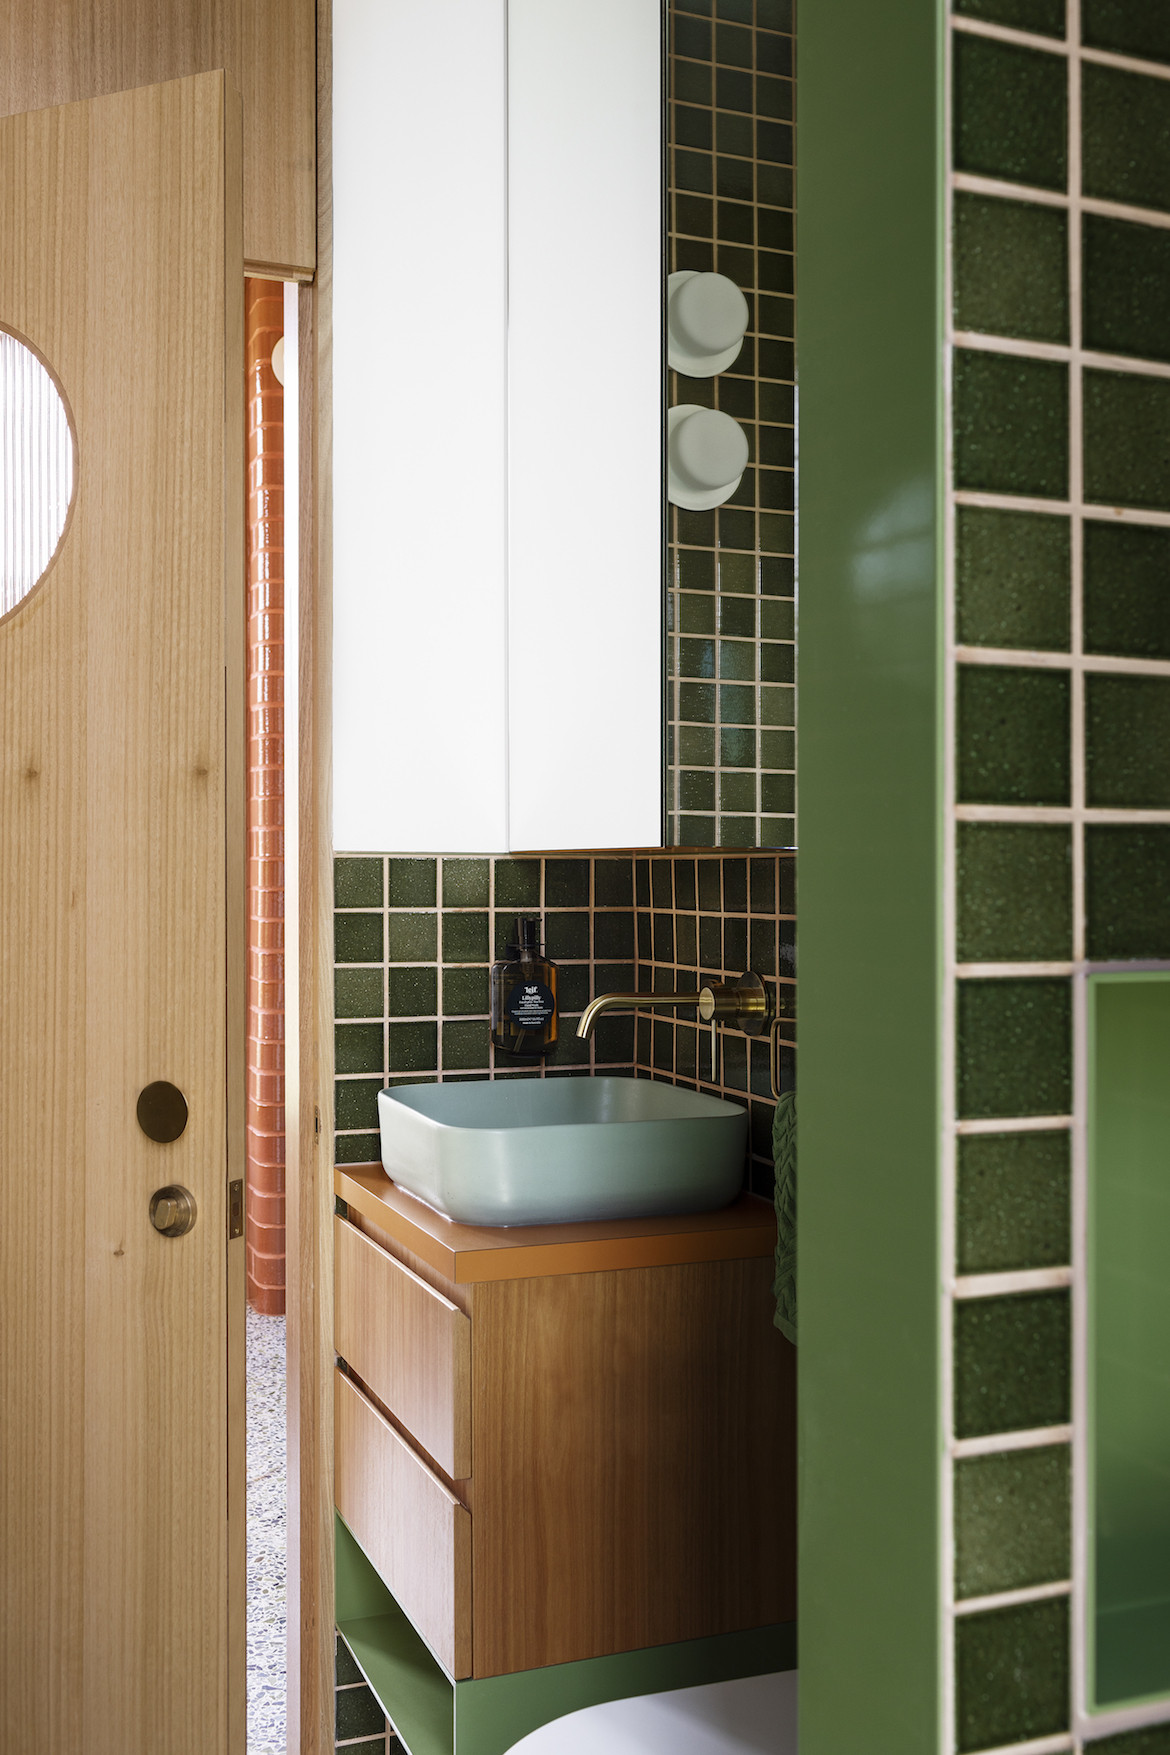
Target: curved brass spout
627, 1002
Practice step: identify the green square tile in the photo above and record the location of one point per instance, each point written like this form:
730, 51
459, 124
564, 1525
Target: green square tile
1012, 1674
778, 794
347, 1670
696, 790
777, 749
1011, 268
412, 883
517, 883
1011, 112
412, 938
1014, 892
357, 883
1012, 1520
777, 619
777, 577
737, 573
357, 993
566, 883
1127, 590
358, 1048
1012, 580
465, 991
710, 885
777, 533
696, 746
738, 832
1011, 425
573, 993
355, 1104
696, 658
737, 617
466, 883
777, 661
1013, 1364
696, 613
1154, 1741
1044, 18
357, 1148
413, 1047
566, 935
696, 569
466, 938
737, 704
1127, 27
613, 883
737, 660
1126, 136
737, 748
1014, 1048
777, 705
1013, 1202
413, 993
1127, 742
737, 792
465, 1045
1126, 287
1013, 735
358, 1714
1127, 439
696, 702
735, 886
357, 938
1127, 892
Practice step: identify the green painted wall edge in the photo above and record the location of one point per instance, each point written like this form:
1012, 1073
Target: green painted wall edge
435, 1716
870, 204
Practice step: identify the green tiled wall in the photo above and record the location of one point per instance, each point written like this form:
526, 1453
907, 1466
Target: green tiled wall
1062, 619
731, 752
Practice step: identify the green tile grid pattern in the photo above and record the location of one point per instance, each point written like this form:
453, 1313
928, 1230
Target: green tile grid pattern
1035, 573
731, 755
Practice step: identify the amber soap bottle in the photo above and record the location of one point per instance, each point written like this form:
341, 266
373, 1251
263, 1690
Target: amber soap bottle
524, 995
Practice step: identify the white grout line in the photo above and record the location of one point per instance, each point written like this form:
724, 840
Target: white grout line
1055, 813
1025, 658
1003, 33
1016, 1124
1059, 508
1126, 63
1125, 1718
976, 341
1124, 210
1059, 1745
1009, 971
1008, 1599
968, 183
971, 1286
993, 1443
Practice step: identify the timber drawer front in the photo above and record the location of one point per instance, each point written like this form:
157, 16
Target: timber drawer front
408, 1344
409, 1522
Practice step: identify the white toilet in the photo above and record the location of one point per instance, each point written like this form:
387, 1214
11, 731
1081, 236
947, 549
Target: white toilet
755, 1715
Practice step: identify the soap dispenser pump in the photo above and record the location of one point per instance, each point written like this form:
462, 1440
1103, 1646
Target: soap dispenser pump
524, 995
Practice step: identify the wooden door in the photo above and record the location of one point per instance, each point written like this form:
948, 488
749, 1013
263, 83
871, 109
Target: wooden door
121, 891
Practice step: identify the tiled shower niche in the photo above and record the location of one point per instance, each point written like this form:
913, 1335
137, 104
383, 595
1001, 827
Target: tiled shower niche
731, 754
1059, 561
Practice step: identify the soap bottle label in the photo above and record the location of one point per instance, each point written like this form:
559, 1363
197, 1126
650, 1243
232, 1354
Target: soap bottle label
530, 1005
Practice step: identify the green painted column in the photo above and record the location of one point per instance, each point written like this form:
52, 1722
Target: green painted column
869, 218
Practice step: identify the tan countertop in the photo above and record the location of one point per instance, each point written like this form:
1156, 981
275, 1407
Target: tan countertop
470, 1253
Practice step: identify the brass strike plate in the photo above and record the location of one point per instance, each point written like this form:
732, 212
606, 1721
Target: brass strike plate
236, 1208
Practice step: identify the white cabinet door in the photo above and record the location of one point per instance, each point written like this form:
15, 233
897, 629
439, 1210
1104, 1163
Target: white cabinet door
497, 424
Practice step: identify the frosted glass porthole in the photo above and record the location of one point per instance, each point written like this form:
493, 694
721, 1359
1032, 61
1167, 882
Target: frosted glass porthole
36, 470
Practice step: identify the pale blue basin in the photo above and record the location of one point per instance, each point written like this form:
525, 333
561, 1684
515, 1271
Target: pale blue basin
548, 1151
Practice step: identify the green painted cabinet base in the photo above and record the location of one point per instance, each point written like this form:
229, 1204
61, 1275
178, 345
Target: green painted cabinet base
433, 1715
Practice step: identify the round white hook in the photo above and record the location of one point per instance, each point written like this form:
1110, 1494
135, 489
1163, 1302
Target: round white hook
706, 320
706, 454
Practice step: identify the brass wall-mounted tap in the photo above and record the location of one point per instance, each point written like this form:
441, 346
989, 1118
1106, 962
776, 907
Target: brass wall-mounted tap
742, 1003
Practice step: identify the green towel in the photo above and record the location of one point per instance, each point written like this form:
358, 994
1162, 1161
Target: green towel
784, 1153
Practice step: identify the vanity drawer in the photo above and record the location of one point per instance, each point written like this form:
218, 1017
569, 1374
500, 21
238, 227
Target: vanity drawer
413, 1529
408, 1343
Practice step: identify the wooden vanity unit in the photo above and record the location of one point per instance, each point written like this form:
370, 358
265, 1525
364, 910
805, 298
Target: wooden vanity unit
560, 1443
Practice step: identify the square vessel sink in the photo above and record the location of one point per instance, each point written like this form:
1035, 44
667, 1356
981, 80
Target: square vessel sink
550, 1151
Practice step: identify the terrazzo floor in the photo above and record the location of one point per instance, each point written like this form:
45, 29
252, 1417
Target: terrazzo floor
266, 1534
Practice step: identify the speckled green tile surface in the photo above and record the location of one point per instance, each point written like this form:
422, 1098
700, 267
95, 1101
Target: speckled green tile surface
1010, 112
1127, 590
1011, 425
1013, 735
1012, 1520
1127, 439
1127, 742
1012, 1674
1010, 268
1013, 1202
1014, 892
1042, 17
1012, 1363
357, 883
1126, 136
1126, 287
1155, 1740
1127, 891
1013, 579
1127, 27
1014, 1045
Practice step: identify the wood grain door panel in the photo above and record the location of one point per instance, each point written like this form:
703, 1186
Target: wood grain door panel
121, 883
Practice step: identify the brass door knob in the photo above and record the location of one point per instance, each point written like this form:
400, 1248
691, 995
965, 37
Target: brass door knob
172, 1210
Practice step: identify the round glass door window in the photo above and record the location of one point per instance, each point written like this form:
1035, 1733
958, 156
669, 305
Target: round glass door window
36, 470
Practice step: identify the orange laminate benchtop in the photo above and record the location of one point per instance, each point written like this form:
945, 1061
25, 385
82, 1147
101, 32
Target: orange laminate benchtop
470, 1253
